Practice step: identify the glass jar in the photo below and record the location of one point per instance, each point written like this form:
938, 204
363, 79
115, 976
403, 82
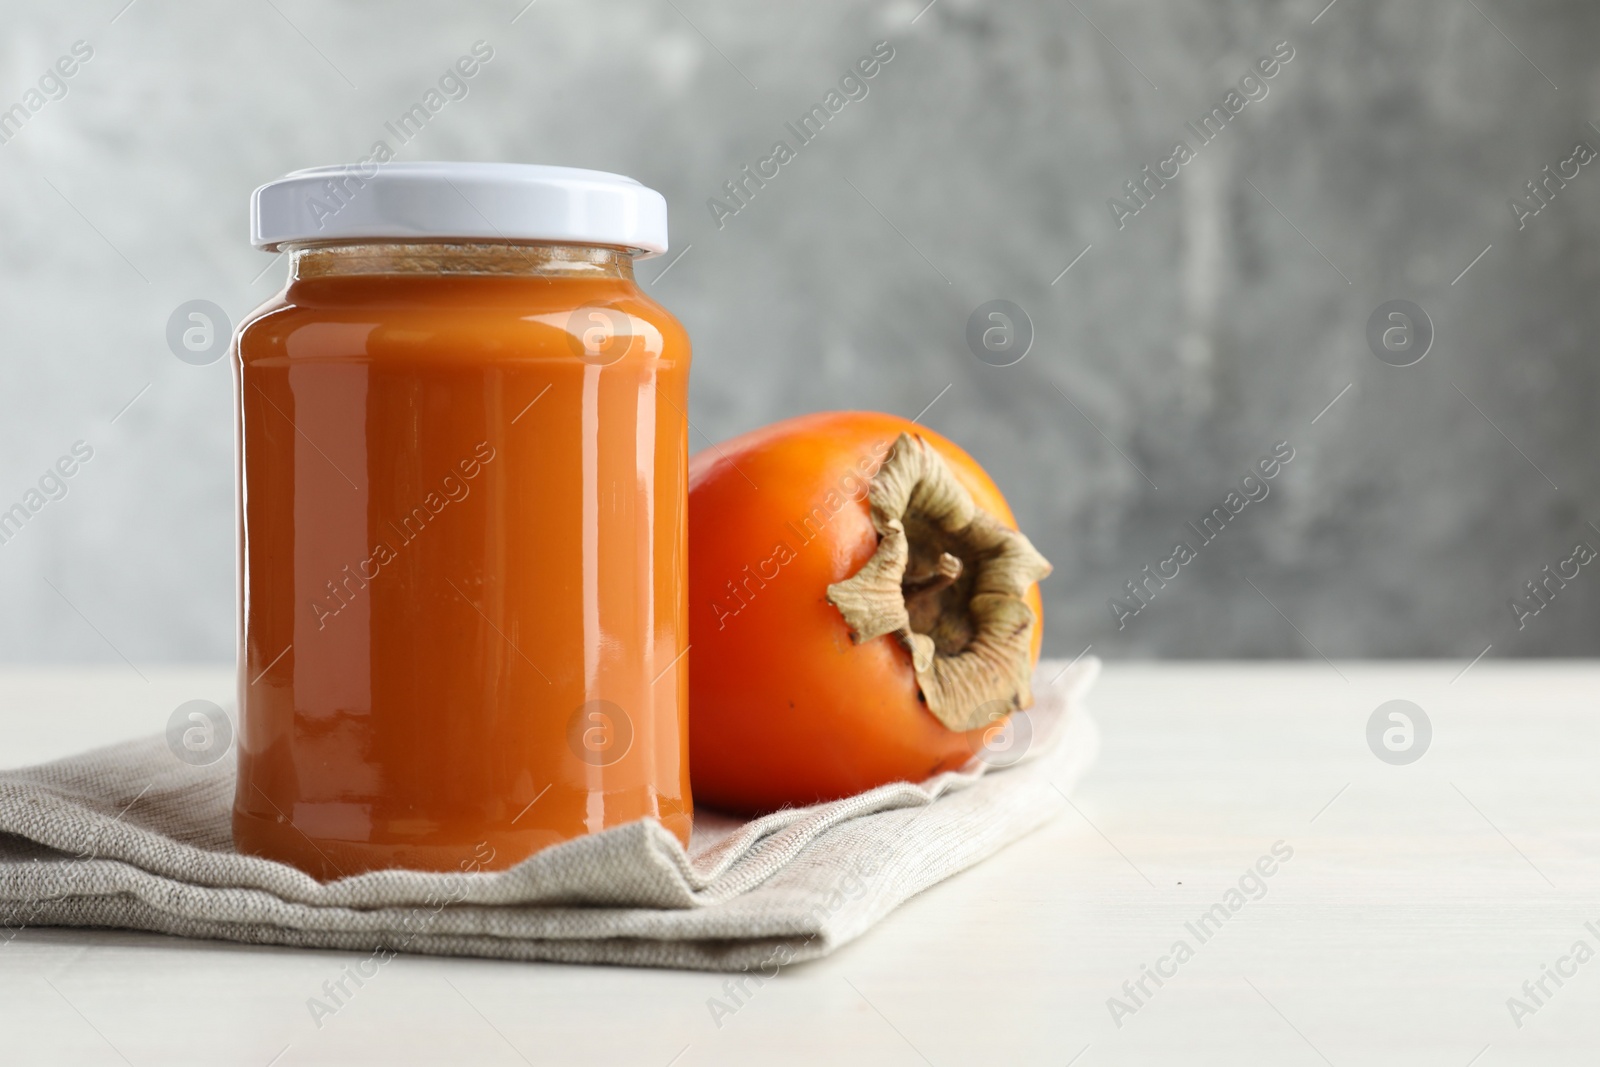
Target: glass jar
462, 462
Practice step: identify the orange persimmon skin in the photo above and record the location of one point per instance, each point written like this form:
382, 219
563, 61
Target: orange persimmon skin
784, 708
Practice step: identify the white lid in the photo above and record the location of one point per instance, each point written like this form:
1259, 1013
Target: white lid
458, 201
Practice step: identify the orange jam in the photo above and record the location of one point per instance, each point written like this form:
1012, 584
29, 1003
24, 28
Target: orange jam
462, 624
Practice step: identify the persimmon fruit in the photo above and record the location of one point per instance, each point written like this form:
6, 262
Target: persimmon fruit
862, 610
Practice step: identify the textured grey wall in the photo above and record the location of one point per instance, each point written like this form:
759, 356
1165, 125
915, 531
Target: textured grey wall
1220, 319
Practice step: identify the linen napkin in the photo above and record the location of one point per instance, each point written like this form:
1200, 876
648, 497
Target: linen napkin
129, 836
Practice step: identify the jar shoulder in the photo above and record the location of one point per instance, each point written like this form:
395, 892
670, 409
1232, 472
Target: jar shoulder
508, 317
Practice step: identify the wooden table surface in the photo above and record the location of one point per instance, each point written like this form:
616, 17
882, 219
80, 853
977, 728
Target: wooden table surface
1414, 903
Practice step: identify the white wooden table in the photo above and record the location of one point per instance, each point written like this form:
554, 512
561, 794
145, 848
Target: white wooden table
1418, 899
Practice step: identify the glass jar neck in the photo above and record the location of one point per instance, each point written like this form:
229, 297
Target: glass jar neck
419, 257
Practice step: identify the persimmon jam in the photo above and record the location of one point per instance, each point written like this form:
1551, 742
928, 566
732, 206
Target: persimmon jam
462, 476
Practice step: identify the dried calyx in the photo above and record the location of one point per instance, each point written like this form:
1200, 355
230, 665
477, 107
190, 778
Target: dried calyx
949, 581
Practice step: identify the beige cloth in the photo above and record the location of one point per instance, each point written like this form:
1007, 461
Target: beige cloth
128, 836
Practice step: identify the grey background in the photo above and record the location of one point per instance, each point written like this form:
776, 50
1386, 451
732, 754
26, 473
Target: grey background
1211, 327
